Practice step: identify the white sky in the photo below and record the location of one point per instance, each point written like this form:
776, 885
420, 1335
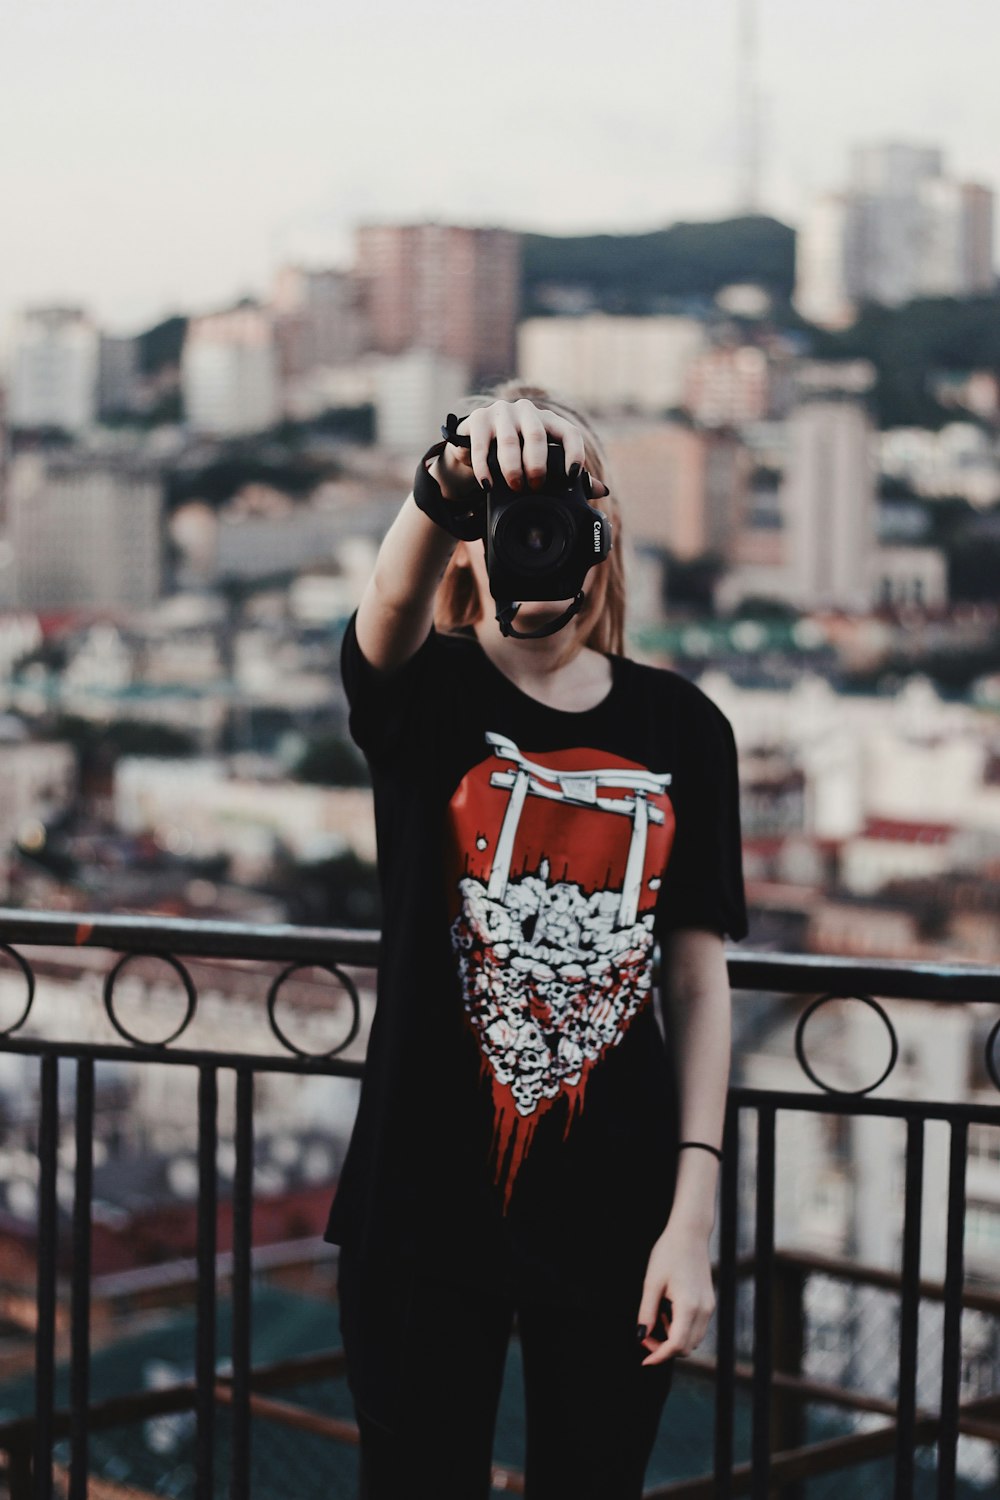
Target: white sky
166, 155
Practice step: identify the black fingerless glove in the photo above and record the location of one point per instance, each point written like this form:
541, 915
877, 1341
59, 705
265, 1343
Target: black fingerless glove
465, 519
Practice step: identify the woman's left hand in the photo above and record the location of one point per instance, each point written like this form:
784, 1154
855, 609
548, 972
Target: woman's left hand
680, 1271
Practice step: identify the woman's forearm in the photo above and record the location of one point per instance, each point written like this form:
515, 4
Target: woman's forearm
697, 992
397, 606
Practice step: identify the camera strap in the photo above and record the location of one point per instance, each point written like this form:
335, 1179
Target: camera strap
463, 519
506, 613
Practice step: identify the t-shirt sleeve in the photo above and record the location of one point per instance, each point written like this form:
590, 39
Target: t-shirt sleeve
703, 882
386, 709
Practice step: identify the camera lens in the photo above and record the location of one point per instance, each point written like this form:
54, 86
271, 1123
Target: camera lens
532, 538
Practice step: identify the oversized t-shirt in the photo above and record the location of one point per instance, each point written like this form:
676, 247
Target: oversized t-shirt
518, 1116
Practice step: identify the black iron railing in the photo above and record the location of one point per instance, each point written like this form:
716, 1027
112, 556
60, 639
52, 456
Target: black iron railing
780, 1458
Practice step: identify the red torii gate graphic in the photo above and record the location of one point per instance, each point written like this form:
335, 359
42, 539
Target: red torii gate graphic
581, 789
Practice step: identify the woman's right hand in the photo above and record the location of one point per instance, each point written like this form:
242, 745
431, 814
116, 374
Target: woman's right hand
522, 431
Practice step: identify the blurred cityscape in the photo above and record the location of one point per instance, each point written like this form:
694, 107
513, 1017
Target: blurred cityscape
804, 433
812, 517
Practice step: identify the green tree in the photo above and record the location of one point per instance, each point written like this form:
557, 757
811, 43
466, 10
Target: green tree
906, 344
642, 273
329, 760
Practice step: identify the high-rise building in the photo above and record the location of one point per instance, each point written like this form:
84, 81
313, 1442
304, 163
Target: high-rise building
682, 487
318, 319
889, 186
957, 228
229, 372
413, 392
119, 375
902, 229
828, 502
893, 169
442, 287
827, 261
611, 364
54, 370
978, 207
85, 531
731, 384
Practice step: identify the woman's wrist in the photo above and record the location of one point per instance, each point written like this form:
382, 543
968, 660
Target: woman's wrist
454, 483
694, 1224
695, 1189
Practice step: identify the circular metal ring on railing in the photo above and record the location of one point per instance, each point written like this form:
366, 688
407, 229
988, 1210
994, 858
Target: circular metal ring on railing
186, 980
800, 1050
29, 975
991, 1065
350, 987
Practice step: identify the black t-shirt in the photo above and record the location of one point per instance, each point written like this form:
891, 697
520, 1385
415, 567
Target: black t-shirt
518, 1114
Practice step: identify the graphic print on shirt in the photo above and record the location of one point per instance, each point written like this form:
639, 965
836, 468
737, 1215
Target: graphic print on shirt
553, 862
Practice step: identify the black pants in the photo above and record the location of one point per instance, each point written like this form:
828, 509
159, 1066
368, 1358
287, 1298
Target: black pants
425, 1365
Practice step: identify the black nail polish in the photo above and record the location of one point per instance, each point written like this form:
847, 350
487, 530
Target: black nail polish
486, 486
641, 1331
574, 473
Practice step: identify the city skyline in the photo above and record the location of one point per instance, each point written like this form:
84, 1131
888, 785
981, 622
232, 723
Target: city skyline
172, 161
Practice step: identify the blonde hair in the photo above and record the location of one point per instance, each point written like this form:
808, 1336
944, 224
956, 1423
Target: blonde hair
457, 603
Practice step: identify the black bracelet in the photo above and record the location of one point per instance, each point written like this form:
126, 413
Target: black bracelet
465, 519
714, 1149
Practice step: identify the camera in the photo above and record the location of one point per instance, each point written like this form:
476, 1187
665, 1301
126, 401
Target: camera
540, 544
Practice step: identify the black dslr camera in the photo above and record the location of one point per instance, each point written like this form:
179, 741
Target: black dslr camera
540, 544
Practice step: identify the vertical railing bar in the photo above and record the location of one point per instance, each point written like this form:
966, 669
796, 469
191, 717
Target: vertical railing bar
909, 1312
80, 1290
241, 1286
725, 1361
48, 1143
208, 1102
951, 1354
763, 1297
19, 1473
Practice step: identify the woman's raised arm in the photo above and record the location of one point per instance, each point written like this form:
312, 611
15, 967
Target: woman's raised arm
397, 607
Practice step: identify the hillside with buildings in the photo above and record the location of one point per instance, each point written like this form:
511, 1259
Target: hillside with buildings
810, 512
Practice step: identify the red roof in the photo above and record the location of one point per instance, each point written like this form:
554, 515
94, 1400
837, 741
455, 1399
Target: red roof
905, 831
56, 622
765, 843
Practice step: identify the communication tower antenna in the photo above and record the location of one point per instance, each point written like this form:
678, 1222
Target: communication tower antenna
748, 194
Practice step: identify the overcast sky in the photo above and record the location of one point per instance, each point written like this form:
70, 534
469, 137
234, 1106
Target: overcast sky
163, 155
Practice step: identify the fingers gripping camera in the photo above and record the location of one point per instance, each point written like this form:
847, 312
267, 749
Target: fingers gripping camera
540, 544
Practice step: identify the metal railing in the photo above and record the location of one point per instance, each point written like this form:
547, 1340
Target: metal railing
780, 1458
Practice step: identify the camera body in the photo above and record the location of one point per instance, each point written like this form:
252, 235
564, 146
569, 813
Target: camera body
540, 544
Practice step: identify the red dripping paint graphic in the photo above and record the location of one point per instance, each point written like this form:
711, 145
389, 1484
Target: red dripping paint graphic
553, 862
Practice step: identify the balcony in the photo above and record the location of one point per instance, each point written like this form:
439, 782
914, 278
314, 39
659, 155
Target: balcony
823, 1372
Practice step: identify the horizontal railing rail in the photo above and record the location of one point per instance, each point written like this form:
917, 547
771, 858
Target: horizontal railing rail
779, 1457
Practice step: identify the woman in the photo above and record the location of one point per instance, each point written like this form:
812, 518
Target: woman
545, 809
